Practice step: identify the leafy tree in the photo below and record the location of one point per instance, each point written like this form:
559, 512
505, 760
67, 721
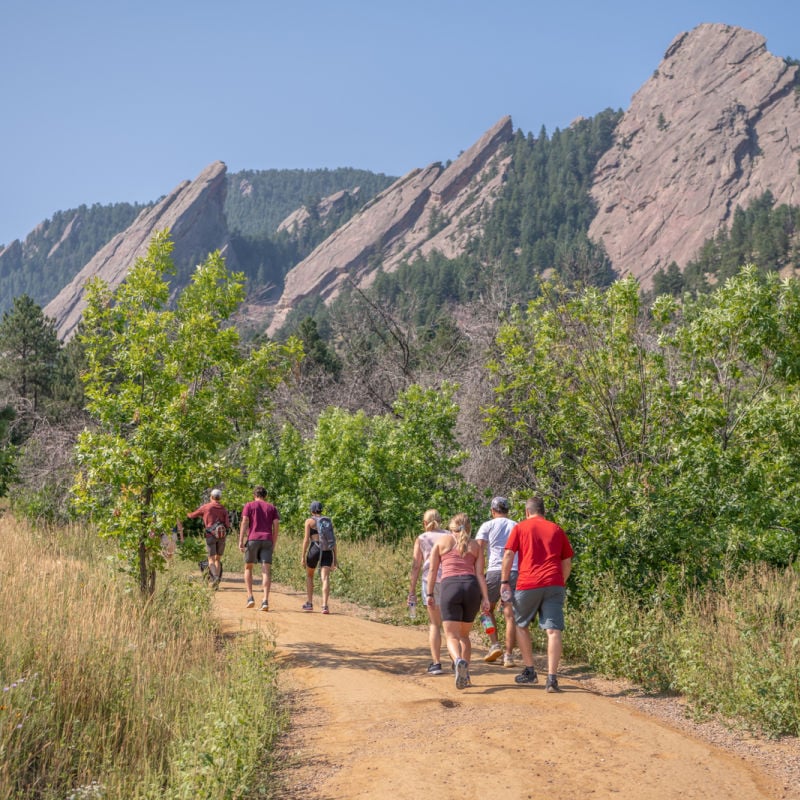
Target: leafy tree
169, 390
375, 475
665, 440
8, 452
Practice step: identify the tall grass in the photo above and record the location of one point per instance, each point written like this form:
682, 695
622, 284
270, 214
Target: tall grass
732, 651
104, 696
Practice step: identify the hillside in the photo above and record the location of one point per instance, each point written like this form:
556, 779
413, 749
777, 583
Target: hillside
713, 130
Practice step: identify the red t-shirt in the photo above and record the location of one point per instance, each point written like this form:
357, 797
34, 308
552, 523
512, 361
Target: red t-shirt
211, 513
260, 516
542, 546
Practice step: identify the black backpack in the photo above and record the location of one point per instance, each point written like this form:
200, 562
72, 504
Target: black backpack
327, 538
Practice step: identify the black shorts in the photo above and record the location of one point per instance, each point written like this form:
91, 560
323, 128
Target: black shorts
258, 551
316, 557
461, 598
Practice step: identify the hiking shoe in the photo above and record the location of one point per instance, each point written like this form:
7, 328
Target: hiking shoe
265, 606
495, 651
325, 610
551, 685
308, 606
528, 675
250, 602
435, 669
508, 660
462, 674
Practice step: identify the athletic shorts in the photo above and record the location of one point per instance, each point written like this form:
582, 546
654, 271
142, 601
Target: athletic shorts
546, 601
258, 551
493, 584
461, 598
214, 546
316, 557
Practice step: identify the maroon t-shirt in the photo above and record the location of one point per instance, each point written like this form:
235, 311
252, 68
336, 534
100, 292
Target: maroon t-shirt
260, 515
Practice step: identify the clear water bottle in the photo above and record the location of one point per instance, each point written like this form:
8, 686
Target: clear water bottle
505, 593
488, 623
412, 607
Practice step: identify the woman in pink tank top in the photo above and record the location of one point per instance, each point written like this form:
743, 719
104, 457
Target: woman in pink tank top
462, 589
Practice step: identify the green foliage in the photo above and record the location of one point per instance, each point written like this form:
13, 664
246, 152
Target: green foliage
257, 201
29, 351
169, 390
58, 248
665, 455
107, 697
8, 451
374, 475
730, 649
762, 234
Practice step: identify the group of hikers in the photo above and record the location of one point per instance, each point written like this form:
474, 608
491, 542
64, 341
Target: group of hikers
526, 569
523, 566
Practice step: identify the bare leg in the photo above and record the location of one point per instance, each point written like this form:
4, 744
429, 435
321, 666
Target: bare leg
511, 628
266, 580
248, 579
325, 574
525, 645
554, 647
434, 633
310, 585
452, 633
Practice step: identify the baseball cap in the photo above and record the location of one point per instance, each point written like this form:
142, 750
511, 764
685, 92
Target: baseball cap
316, 507
500, 504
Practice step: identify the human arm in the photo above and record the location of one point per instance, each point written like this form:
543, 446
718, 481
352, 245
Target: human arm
413, 575
505, 570
275, 529
479, 551
566, 568
436, 559
306, 540
244, 530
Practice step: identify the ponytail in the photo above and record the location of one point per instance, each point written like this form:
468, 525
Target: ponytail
460, 528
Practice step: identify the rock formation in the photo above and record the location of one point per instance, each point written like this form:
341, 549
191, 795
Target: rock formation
192, 212
715, 127
435, 208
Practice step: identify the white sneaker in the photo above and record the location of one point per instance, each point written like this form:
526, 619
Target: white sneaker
508, 660
495, 651
462, 674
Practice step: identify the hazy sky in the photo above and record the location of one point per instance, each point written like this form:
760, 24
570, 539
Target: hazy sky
113, 101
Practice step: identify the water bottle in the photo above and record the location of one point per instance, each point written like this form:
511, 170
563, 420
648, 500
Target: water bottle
412, 607
505, 593
488, 624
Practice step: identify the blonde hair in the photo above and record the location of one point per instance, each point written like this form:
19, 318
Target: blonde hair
460, 528
431, 520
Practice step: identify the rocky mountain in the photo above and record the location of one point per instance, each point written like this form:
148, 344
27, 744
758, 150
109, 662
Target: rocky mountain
193, 214
716, 126
436, 208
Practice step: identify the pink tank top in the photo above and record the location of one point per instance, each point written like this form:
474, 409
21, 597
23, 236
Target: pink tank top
453, 564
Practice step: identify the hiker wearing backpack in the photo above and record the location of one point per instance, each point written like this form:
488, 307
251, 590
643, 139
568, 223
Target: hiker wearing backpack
319, 549
258, 535
217, 523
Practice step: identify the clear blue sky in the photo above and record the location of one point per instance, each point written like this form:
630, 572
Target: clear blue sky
120, 101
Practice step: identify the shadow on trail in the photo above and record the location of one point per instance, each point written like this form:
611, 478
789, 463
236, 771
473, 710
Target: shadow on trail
391, 661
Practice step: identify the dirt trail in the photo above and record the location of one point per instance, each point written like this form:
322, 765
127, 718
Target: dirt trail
369, 723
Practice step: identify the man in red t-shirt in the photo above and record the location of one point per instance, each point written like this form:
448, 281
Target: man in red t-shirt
545, 561
258, 535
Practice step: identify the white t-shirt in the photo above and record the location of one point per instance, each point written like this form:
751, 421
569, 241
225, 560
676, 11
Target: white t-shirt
495, 531
426, 542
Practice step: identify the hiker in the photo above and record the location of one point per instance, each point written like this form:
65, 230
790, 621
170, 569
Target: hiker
319, 549
258, 537
492, 536
420, 567
217, 523
463, 590
545, 562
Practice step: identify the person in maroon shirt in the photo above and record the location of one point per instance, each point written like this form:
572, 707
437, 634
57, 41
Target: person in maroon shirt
545, 561
258, 535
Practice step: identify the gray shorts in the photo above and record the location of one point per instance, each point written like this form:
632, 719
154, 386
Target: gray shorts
493, 584
546, 601
214, 546
258, 551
